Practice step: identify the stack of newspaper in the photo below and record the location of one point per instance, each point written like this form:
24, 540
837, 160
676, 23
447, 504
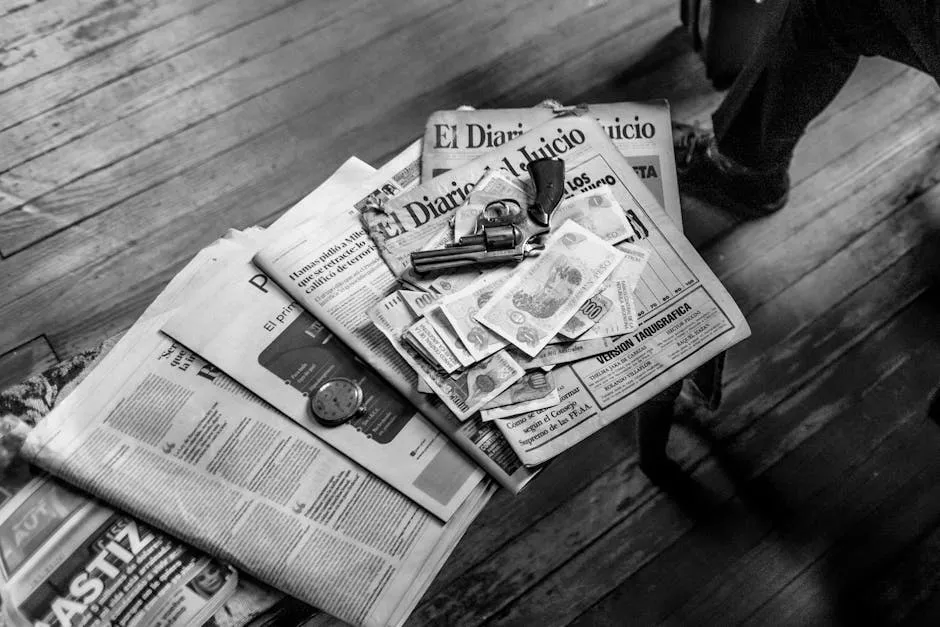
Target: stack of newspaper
198, 421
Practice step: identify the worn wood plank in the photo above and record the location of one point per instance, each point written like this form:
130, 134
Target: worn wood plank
29, 358
27, 20
776, 489
814, 294
905, 588
635, 542
253, 81
45, 214
301, 135
825, 592
507, 517
750, 582
115, 21
135, 53
236, 31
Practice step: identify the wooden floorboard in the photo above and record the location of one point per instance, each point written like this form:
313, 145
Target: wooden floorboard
27, 20
631, 543
133, 133
109, 23
251, 27
35, 355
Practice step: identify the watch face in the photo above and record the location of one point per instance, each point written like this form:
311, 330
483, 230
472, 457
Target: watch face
336, 401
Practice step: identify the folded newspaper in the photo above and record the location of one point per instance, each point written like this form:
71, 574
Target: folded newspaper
250, 329
684, 314
69, 559
641, 131
331, 267
162, 434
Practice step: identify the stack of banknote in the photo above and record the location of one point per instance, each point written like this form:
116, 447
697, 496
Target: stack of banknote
504, 328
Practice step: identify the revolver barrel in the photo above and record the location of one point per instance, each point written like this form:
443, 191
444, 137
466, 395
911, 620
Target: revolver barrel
496, 244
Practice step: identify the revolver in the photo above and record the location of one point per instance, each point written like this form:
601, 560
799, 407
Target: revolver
504, 231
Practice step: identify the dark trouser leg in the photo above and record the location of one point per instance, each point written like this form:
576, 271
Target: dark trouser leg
805, 58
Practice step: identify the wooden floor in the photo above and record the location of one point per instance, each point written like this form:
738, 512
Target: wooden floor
133, 132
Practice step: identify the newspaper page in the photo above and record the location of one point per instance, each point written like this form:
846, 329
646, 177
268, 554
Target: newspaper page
160, 433
67, 559
641, 131
685, 315
248, 327
332, 268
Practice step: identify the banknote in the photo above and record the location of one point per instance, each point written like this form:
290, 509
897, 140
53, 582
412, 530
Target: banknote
453, 282
415, 345
532, 385
460, 308
465, 393
594, 309
507, 411
419, 302
446, 331
494, 186
632, 266
597, 211
539, 298
622, 317
432, 343
566, 352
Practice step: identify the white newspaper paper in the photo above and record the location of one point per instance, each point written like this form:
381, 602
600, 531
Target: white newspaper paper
334, 271
68, 559
248, 327
158, 432
549, 400
641, 131
685, 315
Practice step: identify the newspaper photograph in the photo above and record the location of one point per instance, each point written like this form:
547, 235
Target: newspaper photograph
245, 325
162, 434
641, 131
67, 559
685, 315
335, 272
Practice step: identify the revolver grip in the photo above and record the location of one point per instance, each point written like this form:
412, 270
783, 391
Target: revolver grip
548, 175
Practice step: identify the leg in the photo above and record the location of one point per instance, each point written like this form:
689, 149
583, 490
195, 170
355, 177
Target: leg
794, 74
803, 61
801, 65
